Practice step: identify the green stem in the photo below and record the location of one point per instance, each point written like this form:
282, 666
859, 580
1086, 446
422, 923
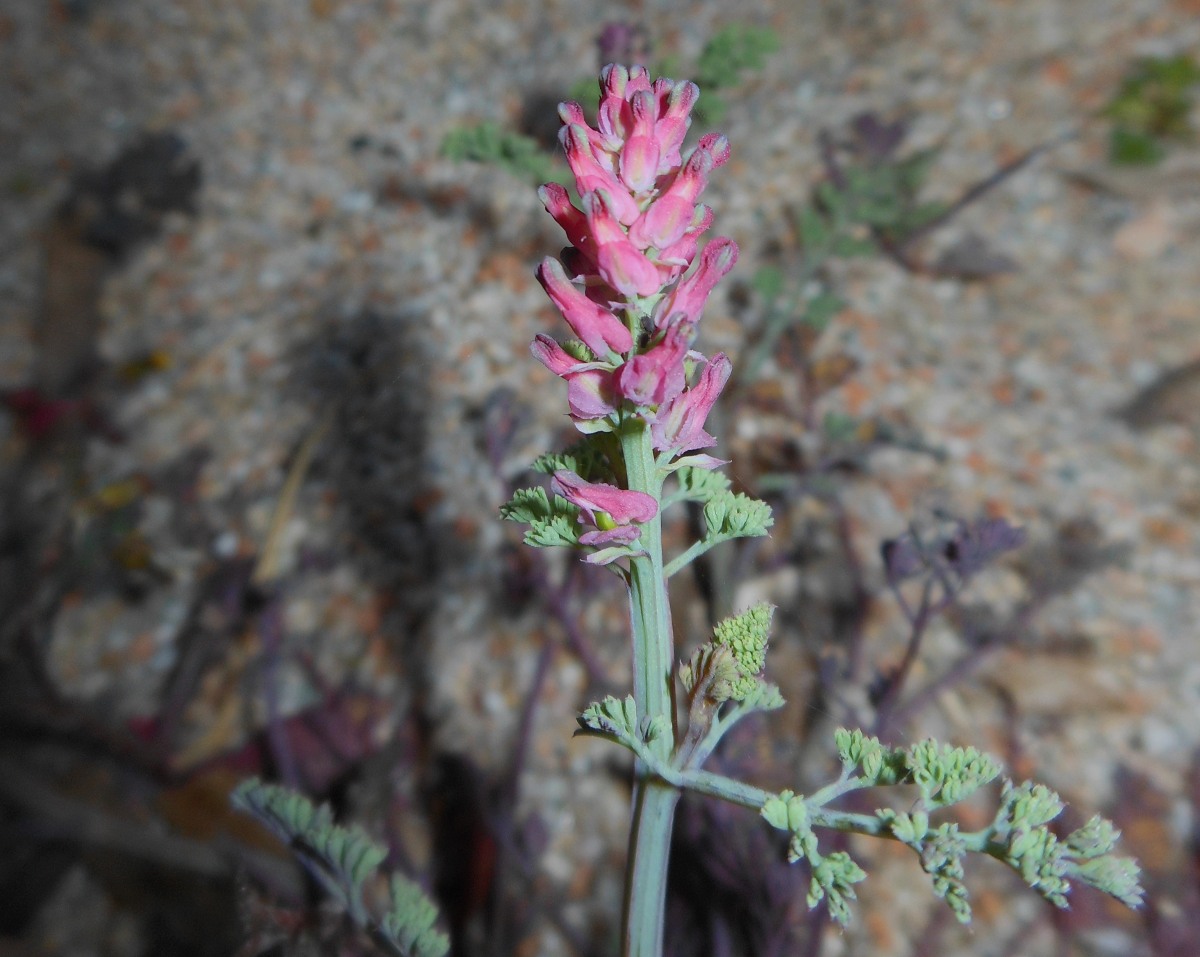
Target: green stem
653, 654
683, 559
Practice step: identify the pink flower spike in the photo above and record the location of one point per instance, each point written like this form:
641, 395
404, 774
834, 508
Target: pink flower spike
598, 328
605, 506
681, 427
692, 293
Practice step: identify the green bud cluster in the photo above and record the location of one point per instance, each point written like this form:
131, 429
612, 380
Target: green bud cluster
941, 851
947, 775
728, 515
729, 667
942, 859
746, 636
878, 764
833, 875
1047, 864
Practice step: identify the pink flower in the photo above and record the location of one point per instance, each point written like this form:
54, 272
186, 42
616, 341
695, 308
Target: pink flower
626, 269
691, 294
638, 163
602, 504
680, 426
590, 394
590, 387
558, 204
673, 123
619, 262
664, 222
598, 328
591, 175
656, 376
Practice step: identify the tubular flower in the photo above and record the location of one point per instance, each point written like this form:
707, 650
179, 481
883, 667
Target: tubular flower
612, 512
589, 384
625, 284
680, 426
657, 375
690, 295
596, 327
604, 506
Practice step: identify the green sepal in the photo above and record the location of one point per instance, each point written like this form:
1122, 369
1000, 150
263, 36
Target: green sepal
578, 351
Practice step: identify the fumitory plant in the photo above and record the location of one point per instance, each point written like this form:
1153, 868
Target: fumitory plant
632, 286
